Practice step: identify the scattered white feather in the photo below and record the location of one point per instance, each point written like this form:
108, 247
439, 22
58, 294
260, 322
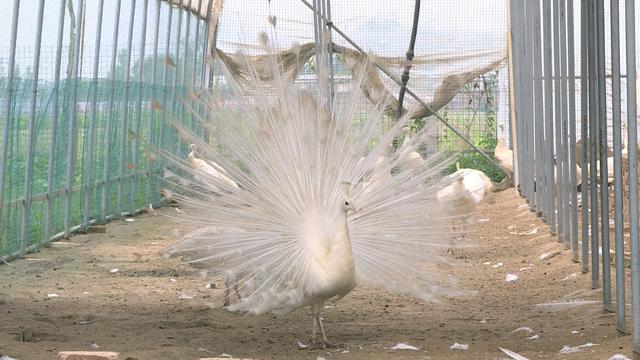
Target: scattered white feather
523, 206
487, 263
129, 219
483, 220
614, 357
94, 345
403, 346
52, 295
225, 355
531, 232
550, 255
524, 328
320, 358
457, 346
5, 357
574, 349
184, 296
575, 332
172, 280
302, 345
510, 278
497, 265
511, 227
513, 355
114, 270
534, 337
524, 269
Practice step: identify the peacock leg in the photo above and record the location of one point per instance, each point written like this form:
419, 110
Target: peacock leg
325, 343
315, 313
226, 296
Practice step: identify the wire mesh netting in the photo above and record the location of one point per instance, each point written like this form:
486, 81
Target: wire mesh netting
90, 140
93, 135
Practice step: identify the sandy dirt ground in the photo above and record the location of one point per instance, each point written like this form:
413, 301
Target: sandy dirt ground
154, 307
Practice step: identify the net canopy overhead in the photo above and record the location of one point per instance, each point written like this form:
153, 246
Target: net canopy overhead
457, 41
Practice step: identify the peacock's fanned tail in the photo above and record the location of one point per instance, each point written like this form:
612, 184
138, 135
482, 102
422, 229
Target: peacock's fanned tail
289, 157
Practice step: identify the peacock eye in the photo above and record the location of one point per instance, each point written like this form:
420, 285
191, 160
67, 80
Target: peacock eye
346, 203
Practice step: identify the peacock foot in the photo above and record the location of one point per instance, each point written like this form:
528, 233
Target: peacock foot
321, 345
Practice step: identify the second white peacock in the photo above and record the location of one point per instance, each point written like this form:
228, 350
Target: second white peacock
297, 219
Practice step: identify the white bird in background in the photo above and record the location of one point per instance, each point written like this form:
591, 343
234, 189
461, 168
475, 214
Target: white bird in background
460, 198
503, 154
302, 242
205, 172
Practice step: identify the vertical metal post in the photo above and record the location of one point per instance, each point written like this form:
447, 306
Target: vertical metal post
604, 177
207, 50
138, 123
330, 52
617, 162
195, 65
7, 109
584, 113
539, 110
548, 108
183, 76
573, 165
54, 125
564, 135
125, 111
559, 116
593, 140
71, 150
26, 209
88, 182
176, 107
165, 79
109, 120
632, 111
154, 81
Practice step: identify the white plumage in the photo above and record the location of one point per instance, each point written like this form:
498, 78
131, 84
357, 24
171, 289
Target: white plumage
503, 154
300, 241
204, 172
466, 190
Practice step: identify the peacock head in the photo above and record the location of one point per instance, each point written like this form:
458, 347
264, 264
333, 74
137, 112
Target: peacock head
347, 202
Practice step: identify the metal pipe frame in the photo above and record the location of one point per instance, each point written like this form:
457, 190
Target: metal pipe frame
109, 119
539, 109
564, 149
165, 79
93, 119
125, 111
632, 111
154, 80
592, 141
54, 126
176, 105
573, 165
559, 116
183, 76
141, 89
548, 117
604, 177
71, 150
584, 113
7, 108
617, 162
26, 207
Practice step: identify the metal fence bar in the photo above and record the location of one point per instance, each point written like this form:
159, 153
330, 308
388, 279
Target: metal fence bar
632, 143
584, 110
71, 150
539, 109
207, 50
592, 141
165, 80
564, 126
604, 177
31, 129
94, 117
176, 106
617, 163
548, 108
7, 109
183, 75
125, 110
48, 218
573, 165
109, 119
558, 106
141, 88
154, 81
